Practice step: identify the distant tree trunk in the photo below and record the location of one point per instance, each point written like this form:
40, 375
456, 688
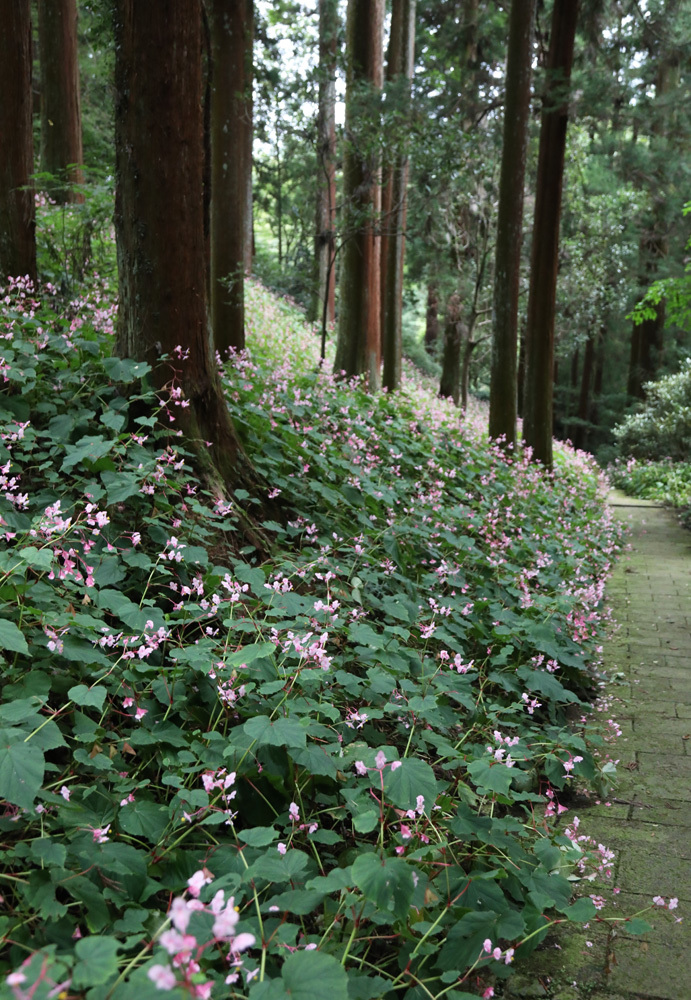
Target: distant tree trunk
394, 216
432, 318
231, 167
647, 338
359, 330
324, 299
449, 384
539, 388
159, 223
61, 120
581, 430
469, 346
507, 265
17, 215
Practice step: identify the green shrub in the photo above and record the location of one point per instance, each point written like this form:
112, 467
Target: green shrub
661, 428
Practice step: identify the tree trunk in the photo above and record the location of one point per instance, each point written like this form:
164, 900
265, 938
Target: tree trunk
163, 316
432, 318
17, 215
581, 430
449, 384
61, 121
358, 350
231, 168
507, 265
394, 215
537, 423
323, 304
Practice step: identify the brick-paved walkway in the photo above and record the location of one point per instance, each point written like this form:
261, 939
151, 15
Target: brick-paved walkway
649, 821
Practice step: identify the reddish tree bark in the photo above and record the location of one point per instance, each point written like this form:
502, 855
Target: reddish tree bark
324, 299
17, 214
61, 119
395, 200
503, 385
159, 221
231, 29
539, 387
358, 350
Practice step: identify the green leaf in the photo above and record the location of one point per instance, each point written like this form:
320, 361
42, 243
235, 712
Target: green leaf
87, 449
489, 774
300, 901
281, 733
98, 960
20, 710
368, 987
49, 852
143, 818
413, 778
21, 773
582, 910
636, 926
41, 559
312, 975
248, 654
387, 882
11, 638
85, 696
258, 836
277, 867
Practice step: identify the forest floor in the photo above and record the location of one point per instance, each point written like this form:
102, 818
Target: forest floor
648, 820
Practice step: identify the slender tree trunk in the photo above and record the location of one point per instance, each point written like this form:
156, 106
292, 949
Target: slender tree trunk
432, 318
449, 384
163, 317
537, 423
324, 298
394, 216
61, 121
231, 167
503, 386
17, 215
581, 431
359, 330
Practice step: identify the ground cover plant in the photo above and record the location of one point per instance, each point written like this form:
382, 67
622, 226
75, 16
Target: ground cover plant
344, 769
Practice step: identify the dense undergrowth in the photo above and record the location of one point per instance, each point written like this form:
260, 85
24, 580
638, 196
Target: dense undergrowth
338, 772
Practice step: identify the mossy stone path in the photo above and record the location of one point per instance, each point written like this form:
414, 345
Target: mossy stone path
648, 822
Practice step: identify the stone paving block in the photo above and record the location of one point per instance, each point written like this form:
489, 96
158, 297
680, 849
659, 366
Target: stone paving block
670, 812
642, 869
657, 971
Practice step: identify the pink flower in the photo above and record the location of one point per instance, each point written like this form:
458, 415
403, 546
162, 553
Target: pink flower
487, 945
360, 767
15, 979
140, 713
197, 882
162, 976
242, 942
488, 994
294, 812
395, 764
99, 834
281, 848
180, 914
508, 958
65, 792
380, 760
658, 900
673, 903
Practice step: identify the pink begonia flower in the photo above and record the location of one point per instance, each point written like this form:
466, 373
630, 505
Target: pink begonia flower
488, 994
496, 954
310, 947
360, 767
180, 914
225, 924
162, 976
395, 764
487, 945
99, 834
406, 832
281, 848
197, 882
508, 958
659, 900
65, 792
15, 979
242, 942
673, 903
380, 760
294, 812
140, 713
203, 991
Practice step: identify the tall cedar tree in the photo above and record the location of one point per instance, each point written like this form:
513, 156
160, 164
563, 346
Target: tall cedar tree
323, 307
163, 316
61, 121
358, 350
450, 381
231, 29
395, 197
17, 214
647, 336
537, 421
507, 261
